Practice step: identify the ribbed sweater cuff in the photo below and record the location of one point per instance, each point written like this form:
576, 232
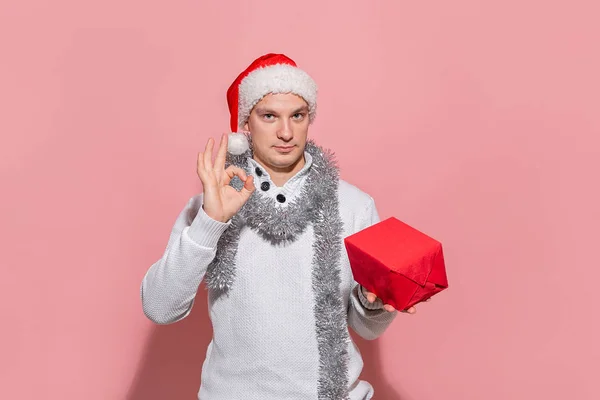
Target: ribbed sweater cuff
376, 305
206, 231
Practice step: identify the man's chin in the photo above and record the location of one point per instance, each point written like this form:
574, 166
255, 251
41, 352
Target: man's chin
285, 161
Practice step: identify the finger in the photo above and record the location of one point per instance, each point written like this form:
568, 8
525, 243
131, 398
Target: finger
232, 171
389, 308
371, 297
429, 299
222, 153
248, 188
208, 151
200, 165
411, 310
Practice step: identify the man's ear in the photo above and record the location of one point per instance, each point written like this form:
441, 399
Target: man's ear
246, 128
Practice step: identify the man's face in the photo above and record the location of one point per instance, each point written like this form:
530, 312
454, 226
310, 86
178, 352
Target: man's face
279, 127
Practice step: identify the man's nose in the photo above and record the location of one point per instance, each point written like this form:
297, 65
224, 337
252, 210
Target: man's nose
285, 131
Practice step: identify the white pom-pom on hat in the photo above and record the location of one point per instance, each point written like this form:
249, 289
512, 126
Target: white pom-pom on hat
237, 143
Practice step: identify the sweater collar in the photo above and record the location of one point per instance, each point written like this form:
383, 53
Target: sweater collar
290, 189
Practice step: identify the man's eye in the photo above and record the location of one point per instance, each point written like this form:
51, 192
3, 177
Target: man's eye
298, 116
267, 116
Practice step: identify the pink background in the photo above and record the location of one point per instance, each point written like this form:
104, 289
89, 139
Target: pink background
475, 121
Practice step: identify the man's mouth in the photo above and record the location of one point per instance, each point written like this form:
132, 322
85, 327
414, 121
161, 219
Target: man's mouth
285, 149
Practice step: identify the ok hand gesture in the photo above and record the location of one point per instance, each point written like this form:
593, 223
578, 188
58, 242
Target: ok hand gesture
221, 201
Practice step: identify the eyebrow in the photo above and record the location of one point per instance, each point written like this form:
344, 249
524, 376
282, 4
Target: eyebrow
301, 109
263, 110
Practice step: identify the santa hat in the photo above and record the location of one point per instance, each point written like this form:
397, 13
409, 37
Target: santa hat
271, 73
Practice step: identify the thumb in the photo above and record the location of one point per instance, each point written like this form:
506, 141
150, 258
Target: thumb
371, 297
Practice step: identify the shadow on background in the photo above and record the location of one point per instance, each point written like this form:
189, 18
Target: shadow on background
172, 362
373, 370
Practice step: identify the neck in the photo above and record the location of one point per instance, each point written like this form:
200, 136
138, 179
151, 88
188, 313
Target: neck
280, 176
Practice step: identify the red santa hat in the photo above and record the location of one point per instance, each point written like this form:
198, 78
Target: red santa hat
271, 73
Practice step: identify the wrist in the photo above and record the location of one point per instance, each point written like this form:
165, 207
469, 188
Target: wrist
206, 231
219, 218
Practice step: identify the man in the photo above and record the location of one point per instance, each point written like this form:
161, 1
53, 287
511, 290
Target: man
266, 235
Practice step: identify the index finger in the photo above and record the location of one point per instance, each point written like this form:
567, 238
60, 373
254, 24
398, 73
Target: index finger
232, 171
221, 155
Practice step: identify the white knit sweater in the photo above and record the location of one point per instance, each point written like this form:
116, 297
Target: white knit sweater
264, 344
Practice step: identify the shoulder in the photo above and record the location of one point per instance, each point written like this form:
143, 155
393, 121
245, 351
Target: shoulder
357, 207
191, 208
353, 197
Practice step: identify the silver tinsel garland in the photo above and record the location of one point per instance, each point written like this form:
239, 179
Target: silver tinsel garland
317, 204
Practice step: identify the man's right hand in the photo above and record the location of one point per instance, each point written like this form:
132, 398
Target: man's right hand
221, 201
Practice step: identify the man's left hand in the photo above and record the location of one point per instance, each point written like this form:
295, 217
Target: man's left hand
372, 297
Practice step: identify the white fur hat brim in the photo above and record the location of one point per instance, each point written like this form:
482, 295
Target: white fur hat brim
279, 78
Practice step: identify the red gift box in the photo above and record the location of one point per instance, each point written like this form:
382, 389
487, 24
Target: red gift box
398, 263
